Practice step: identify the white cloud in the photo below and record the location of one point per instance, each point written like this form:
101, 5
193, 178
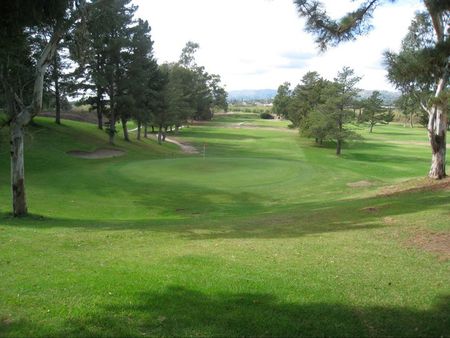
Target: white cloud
261, 43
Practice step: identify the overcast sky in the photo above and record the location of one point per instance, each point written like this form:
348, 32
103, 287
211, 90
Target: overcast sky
257, 44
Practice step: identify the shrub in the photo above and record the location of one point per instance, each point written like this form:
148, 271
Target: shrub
266, 116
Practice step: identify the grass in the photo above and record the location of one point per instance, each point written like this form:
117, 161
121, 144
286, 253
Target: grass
261, 237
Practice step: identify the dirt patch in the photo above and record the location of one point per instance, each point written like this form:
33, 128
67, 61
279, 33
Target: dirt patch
360, 184
371, 209
423, 184
389, 221
435, 242
97, 154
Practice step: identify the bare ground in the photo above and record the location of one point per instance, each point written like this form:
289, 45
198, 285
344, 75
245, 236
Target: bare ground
423, 184
435, 242
97, 154
359, 184
184, 146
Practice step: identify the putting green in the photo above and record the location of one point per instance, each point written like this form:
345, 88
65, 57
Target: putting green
219, 173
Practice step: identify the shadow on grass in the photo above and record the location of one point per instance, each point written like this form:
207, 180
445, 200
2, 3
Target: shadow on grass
306, 218
178, 311
220, 136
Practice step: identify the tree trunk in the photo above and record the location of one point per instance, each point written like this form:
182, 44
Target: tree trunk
371, 128
125, 129
437, 133
153, 129
146, 131
99, 109
139, 130
411, 123
17, 168
339, 141
160, 135
112, 118
57, 95
338, 147
438, 114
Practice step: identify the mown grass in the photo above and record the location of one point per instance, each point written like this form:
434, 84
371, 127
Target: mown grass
262, 236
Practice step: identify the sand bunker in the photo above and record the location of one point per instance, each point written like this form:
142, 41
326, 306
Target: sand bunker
97, 154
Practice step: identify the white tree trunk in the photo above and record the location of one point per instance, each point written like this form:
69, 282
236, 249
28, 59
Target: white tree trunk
20, 120
438, 114
437, 133
17, 169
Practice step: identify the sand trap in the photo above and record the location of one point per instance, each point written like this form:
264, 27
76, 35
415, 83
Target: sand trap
97, 154
360, 184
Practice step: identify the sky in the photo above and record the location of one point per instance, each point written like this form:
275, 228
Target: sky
259, 44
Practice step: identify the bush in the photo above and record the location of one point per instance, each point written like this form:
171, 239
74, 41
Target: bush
266, 116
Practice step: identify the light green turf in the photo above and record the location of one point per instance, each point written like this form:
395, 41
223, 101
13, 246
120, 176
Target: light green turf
260, 236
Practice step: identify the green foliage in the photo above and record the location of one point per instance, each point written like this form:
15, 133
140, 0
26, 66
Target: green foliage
266, 116
295, 105
282, 100
422, 61
330, 31
374, 112
331, 113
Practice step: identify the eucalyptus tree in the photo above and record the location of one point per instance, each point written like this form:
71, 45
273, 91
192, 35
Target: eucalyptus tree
22, 77
206, 93
425, 63
421, 68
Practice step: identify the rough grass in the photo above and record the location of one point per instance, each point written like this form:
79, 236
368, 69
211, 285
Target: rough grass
263, 236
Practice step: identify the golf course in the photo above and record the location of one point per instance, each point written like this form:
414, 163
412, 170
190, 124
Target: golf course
257, 232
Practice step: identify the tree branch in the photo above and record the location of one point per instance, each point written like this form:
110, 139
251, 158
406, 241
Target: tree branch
332, 32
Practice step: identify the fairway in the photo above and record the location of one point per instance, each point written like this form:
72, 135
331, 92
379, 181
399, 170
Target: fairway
262, 233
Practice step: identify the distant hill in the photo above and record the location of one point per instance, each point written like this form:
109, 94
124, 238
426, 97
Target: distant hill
251, 94
387, 96
268, 94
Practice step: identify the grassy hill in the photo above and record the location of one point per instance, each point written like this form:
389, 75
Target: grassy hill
264, 234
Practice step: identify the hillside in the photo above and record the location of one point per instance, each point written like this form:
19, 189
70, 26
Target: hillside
251, 94
388, 97
260, 233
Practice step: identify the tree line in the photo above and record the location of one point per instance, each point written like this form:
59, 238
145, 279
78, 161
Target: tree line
323, 109
99, 51
420, 70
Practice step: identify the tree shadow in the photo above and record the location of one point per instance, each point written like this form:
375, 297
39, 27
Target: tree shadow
297, 220
177, 311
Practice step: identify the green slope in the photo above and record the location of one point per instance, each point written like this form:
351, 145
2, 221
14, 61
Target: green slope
266, 235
